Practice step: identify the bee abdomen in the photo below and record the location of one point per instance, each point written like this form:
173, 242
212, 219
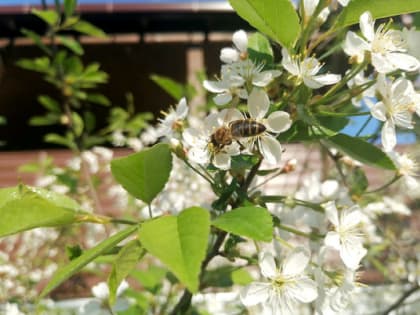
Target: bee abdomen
246, 128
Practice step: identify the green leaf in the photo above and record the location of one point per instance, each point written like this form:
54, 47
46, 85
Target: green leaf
71, 44
47, 120
275, 18
144, 174
37, 40
48, 16
361, 151
89, 255
88, 29
69, 7
379, 9
179, 242
49, 103
252, 222
126, 260
60, 140
241, 277
150, 279
98, 99
259, 49
23, 208
77, 124
41, 64
173, 88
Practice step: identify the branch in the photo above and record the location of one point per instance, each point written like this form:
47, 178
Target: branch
400, 301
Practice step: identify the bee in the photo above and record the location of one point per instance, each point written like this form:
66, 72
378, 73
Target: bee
236, 130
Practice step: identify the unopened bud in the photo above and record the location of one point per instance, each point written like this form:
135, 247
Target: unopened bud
64, 120
290, 166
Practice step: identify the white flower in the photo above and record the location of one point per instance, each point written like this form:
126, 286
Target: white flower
173, 120
307, 70
398, 101
346, 238
199, 143
104, 153
309, 8
117, 138
359, 80
233, 78
407, 168
412, 38
97, 306
91, 161
230, 55
12, 309
386, 46
275, 123
135, 144
287, 286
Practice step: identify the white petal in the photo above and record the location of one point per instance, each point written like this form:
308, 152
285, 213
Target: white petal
404, 61
367, 26
240, 39
182, 109
198, 155
258, 103
411, 183
388, 137
352, 253
270, 148
222, 98
265, 77
289, 64
344, 2
354, 45
325, 79
382, 63
332, 239
278, 121
222, 161
231, 114
255, 293
351, 217
309, 6
330, 188
229, 55
332, 213
402, 88
379, 111
267, 265
304, 290
215, 86
295, 262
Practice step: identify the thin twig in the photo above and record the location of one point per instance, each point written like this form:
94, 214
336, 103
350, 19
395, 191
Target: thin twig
400, 301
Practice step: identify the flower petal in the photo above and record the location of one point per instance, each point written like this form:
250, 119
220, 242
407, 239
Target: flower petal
403, 61
258, 103
255, 293
295, 262
351, 217
265, 77
332, 239
355, 46
379, 111
267, 265
229, 55
388, 137
215, 86
278, 121
182, 109
332, 213
270, 148
222, 98
382, 63
222, 161
367, 26
240, 39
351, 253
303, 290
288, 63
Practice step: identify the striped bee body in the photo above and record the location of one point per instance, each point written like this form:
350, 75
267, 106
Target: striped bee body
245, 128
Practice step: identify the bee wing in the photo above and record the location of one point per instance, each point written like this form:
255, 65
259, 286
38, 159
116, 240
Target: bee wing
231, 114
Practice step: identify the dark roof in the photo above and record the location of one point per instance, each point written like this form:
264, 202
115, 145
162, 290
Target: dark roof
131, 16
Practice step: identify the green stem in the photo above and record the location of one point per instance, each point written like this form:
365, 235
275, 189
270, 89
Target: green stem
393, 180
292, 202
198, 172
290, 229
364, 126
